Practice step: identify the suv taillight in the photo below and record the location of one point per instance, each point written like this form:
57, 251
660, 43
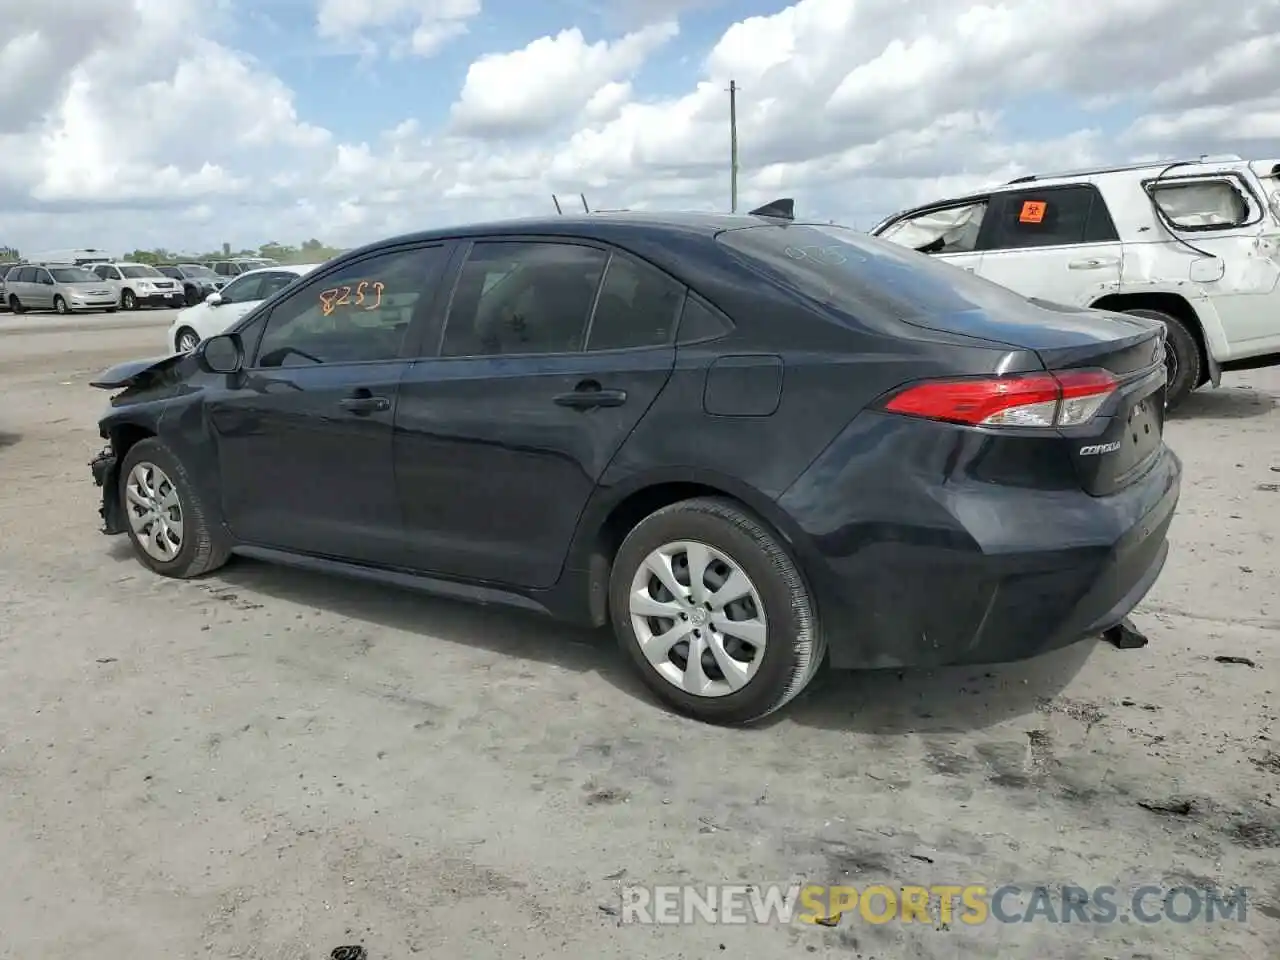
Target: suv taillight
1067, 398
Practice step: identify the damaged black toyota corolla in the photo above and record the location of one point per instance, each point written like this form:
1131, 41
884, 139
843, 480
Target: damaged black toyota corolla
753, 446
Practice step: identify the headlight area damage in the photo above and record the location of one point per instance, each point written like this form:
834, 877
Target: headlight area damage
137, 382
105, 468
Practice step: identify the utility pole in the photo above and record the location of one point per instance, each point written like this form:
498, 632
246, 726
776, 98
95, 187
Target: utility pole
733, 147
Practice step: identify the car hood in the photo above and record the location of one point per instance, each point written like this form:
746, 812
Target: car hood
133, 373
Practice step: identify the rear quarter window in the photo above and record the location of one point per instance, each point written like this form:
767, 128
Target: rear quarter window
1202, 204
862, 276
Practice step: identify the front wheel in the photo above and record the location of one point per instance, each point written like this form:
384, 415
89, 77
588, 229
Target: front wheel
714, 613
186, 340
128, 300
60, 306
15, 305
1182, 360
168, 524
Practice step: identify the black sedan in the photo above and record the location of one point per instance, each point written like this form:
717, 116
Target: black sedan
753, 446
198, 281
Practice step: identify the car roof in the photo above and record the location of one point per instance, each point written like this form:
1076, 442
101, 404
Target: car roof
603, 224
298, 268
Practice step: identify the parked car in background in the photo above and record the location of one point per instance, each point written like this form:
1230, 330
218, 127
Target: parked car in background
76, 257
1193, 244
238, 265
753, 446
61, 288
222, 308
140, 285
197, 280
4, 272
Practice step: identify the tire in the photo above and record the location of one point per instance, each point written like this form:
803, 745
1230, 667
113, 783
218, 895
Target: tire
184, 334
794, 647
60, 306
201, 547
191, 295
1183, 358
128, 301
15, 305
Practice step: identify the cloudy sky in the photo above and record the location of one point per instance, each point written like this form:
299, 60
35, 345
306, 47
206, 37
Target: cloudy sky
186, 123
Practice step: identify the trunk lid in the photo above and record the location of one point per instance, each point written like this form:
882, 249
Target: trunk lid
1116, 446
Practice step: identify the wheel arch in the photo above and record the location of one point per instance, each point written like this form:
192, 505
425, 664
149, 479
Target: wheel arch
617, 509
1173, 304
124, 435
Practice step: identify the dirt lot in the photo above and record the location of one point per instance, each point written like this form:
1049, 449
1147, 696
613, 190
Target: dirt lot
271, 764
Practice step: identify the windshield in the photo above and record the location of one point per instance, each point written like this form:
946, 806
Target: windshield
864, 276
73, 275
197, 270
136, 272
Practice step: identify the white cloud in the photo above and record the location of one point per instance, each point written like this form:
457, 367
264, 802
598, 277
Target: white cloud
854, 107
530, 90
363, 23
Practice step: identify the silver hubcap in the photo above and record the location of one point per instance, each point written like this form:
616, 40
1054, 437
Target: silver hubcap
187, 342
698, 618
155, 512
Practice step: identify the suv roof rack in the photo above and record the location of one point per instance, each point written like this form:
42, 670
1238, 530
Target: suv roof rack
1121, 168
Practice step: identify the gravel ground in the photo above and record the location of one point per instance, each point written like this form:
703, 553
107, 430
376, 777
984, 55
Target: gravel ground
271, 764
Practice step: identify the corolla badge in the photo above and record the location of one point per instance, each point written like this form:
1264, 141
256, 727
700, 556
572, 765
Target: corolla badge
1097, 448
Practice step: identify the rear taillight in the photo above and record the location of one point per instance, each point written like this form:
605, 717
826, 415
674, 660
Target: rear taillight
1064, 399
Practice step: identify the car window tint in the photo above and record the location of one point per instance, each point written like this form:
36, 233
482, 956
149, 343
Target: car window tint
637, 306
1044, 218
273, 283
26, 275
699, 322
521, 298
245, 290
359, 313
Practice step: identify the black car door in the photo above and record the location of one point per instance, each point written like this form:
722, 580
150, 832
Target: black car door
304, 431
551, 353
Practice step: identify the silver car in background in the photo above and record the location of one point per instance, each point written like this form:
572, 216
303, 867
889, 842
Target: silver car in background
62, 289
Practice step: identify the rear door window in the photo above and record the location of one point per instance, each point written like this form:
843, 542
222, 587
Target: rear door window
637, 306
523, 297
1057, 216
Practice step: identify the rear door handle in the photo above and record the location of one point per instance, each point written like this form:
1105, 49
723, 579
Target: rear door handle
364, 404
589, 394
1093, 263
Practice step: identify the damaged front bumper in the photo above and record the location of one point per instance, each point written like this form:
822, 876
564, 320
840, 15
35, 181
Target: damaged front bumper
105, 474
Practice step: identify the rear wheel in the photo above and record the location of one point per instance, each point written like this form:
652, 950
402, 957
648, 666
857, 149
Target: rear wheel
714, 613
60, 306
1182, 359
168, 524
15, 305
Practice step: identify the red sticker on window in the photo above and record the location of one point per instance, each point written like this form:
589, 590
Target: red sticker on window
1032, 211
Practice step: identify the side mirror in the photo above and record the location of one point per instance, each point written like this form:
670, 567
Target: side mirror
222, 354
213, 299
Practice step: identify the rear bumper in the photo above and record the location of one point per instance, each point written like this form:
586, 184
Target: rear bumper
913, 570
173, 298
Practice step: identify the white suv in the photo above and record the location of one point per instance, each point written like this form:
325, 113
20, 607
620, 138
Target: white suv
1194, 244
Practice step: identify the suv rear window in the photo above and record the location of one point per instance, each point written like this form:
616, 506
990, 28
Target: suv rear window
863, 276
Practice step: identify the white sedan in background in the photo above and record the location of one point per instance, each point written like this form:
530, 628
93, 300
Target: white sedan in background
222, 309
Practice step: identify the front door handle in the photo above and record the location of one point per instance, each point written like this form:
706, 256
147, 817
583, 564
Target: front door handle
588, 395
364, 403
